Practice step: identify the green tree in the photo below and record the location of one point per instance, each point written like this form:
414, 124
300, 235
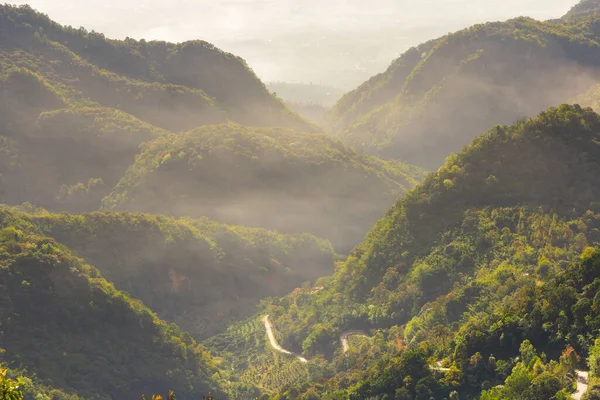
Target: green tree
9, 389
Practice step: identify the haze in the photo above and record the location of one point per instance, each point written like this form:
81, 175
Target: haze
336, 42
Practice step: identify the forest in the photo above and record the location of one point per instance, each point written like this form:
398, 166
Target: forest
173, 228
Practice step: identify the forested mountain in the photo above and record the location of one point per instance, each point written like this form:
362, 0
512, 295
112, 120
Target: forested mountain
196, 273
584, 8
75, 107
121, 162
78, 108
272, 178
439, 95
70, 158
513, 210
62, 321
173, 86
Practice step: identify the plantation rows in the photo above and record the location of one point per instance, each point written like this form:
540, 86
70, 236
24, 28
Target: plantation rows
272, 376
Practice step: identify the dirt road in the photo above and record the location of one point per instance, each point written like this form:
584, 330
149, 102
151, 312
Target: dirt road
274, 344
582, 385
344, 337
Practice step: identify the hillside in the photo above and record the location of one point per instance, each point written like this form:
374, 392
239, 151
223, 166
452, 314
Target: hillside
438, 96
70, 158
271, 178
176, 87
67, 325
75, 107
513, 209
584, 8
196, 273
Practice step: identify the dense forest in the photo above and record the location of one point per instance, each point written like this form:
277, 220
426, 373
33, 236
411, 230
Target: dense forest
171, 229
62, 321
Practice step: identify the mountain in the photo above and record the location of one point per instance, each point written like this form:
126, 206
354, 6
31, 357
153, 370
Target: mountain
197, 273
439, 95
71, 158
584, 8
176, 87
271, 178
76, 107
64, 323
512, 211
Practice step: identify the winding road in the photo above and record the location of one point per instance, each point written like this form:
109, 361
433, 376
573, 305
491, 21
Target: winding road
581, 376
343, 338
274, 343
438, 367
582, 384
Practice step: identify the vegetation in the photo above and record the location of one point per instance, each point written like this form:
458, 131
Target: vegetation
9, 389
71, 158
437, 96
479, 283
584, 8
177, 87
63, 322
272, 178
508, 214
196, 273
75, 107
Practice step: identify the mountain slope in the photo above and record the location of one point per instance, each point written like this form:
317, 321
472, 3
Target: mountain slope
584, 8
439, 95
66, 159
62, 321
514, 208
196, 273
272, 178
193, 83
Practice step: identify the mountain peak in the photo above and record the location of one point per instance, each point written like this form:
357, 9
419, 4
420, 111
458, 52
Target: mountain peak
584, 8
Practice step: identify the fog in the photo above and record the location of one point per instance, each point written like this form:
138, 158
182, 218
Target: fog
336, 42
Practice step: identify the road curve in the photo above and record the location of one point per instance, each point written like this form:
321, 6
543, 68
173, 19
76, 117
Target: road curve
274, 344
344, 337
438, 367
582, 384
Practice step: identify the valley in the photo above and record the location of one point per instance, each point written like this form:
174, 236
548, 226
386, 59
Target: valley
171, 227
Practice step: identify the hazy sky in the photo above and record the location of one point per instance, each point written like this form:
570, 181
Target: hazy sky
250, 27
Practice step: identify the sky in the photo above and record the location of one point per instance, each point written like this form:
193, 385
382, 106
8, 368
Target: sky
296, 40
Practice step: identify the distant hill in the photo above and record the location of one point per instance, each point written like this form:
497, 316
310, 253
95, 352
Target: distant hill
311, 111
439, 95
62, 321
311, 101
306, 93
271, 178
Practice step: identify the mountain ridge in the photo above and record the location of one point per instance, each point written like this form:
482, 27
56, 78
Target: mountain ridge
437, 96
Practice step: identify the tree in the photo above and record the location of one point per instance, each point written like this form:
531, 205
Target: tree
544, 387
9, 389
